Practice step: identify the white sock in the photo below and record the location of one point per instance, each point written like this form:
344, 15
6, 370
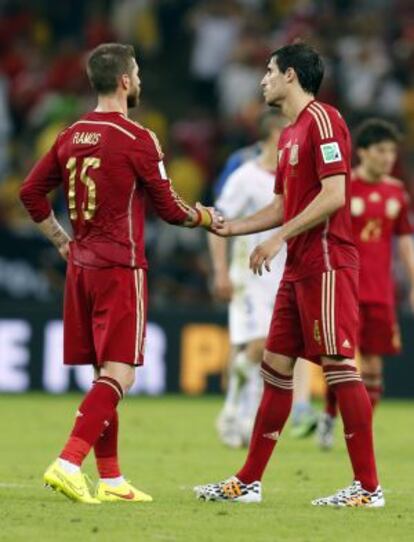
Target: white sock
233, 391
113, 482
245, 366
68, 467
253, 394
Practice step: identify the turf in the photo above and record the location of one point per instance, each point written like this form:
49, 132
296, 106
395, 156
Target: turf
168, 445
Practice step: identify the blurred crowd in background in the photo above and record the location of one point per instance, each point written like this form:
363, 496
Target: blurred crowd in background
201, 64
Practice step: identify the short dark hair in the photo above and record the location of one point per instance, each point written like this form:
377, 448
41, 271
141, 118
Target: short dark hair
107, 63
372, 131
306, 62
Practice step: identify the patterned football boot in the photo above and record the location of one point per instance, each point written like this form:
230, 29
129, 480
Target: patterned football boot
353, 496
230, 490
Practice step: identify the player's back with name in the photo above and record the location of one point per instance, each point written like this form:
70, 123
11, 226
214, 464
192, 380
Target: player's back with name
107, 163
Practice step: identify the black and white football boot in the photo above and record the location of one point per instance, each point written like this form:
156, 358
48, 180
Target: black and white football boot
231, 489
353, 496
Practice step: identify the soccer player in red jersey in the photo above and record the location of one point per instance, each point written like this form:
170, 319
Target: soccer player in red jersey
107, 165
316, 308
380, 211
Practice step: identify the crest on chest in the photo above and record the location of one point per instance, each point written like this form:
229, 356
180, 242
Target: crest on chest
294, 155
392, 207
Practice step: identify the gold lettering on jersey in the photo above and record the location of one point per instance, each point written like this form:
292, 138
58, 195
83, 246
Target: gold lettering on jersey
71, 166
392, 208
357, 206
88, 207
294, 155
317, 332
372, 230
86, 138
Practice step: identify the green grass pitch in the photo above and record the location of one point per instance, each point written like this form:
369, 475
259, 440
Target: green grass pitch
167, 446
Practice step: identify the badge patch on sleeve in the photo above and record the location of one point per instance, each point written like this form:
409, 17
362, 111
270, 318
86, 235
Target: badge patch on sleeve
161, 169
331, 152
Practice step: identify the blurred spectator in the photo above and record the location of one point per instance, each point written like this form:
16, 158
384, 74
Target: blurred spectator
201, 64
216, 25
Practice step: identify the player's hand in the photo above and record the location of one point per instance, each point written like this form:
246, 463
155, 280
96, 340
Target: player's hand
64, 250
222, 287
264, 253
212, 219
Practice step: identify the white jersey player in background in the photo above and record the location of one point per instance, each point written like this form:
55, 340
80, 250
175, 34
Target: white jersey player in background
249, 188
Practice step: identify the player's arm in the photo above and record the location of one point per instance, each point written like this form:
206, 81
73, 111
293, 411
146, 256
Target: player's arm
148, 164
330, 198
218, 248
266, 219
42, 179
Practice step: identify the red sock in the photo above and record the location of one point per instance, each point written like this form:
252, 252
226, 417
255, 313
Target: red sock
97, 409
374, 386
356, 413
273, 412
331, 405
106, 451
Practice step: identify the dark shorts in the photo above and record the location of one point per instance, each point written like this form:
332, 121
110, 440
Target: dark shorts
104, 315
379, 333
316, 316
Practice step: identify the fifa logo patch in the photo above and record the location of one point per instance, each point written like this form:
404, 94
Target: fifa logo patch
294, 155
317, 332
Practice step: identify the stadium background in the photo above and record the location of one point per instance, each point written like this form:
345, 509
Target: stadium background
201, 64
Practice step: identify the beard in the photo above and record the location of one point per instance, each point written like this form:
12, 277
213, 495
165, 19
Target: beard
133, 99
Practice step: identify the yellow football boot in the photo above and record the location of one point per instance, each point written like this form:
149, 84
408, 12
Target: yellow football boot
73, 486
124, 492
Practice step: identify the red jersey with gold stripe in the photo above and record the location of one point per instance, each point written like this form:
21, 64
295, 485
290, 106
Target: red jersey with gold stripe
316, 146
107, 164
379, 210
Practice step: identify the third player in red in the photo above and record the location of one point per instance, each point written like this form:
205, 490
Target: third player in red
380, 213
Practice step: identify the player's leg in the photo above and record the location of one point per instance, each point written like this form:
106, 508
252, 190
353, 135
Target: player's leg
356, 412
372, 376
227, 423
64, 474
339, 319
381, 337
246, 313
96, 412
253, 388
304, 419
326, 421
275, 405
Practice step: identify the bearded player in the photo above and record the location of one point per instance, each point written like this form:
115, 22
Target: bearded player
107, 165
380, 214
316, 309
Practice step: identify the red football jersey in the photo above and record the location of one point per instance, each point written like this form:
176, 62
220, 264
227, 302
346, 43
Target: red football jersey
316, 146
106, 163
379, 211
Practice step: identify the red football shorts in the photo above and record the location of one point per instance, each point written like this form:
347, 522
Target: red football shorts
104, 315
316, 316
379, 333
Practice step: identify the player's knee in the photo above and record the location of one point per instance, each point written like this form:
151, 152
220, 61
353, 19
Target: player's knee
282, 364
122, 373
371, 365
337, 361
